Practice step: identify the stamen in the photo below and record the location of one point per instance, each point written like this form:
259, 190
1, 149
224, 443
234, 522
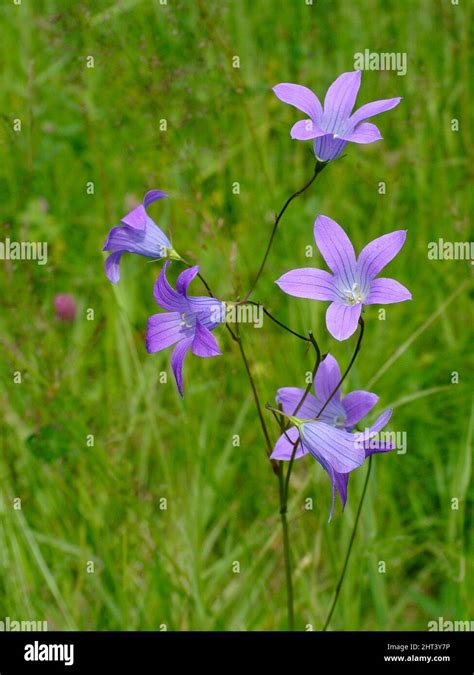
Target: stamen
184, 321
340, 421
354, 296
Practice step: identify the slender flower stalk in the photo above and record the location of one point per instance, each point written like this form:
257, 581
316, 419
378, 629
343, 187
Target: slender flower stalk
295, 412
283, 493
282, 480
283, 483
319, 166
348, 369
275, 320
286, 550
256, 397
349, 548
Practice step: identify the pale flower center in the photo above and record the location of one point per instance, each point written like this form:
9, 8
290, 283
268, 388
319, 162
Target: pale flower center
354, 295
186, 321
340, 421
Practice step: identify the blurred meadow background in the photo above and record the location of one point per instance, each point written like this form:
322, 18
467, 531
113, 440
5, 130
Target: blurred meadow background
104, 125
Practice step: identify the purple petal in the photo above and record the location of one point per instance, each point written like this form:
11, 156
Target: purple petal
332, 477
338, 484
379, 253
153, 196
177, 359
339, 101
150, 242
112, 266
204, 343
374, 108
381, 421
334, 447
341, 320
357, 405
164, 330
327, 147
185, 278
166, 296
308, 282
283, 449
327, 379
386, 291
117, 239
341, 480
209, 311
290, 397
336, 248
136, 218
364, 133
375, 446
300, 97
305, 130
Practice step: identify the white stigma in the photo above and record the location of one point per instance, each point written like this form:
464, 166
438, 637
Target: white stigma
340, 421
184, 321
354, 296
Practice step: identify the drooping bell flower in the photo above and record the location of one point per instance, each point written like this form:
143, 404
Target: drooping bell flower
138, 234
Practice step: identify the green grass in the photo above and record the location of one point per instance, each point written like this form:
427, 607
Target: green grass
102, 504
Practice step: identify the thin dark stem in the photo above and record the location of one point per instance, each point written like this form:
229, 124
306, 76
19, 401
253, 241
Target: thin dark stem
313, 374
275, 320
249, 302
351, 363
206, 285
286, 551
186, 263
278, 469
286, 486
317, 170
283, 491
282, 325
300, 403
238, 339
258, 405
286, 534
351, 542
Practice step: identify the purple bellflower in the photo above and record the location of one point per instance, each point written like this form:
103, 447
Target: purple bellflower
187, 323
330, 439
352, 283
333, 126
138, 234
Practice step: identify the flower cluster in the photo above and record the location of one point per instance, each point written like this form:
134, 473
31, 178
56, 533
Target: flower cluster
323, 424
189, 319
